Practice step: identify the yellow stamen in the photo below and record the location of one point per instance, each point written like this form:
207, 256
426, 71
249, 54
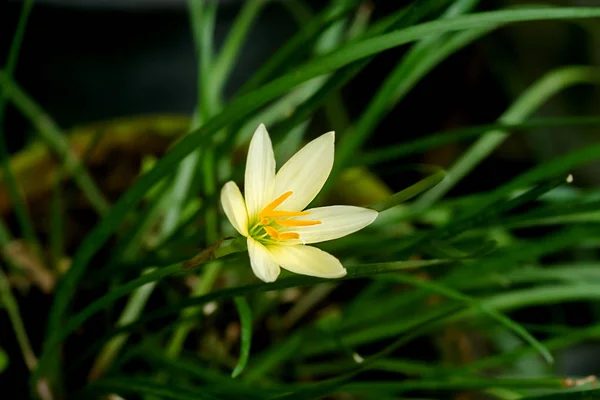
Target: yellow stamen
281, 236
275, 203
272, 232
296, 222
269, 213
289, 236
276, 214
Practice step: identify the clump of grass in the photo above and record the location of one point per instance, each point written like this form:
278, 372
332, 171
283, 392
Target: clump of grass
426, 307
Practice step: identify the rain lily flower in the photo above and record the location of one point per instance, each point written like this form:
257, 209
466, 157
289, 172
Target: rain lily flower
271, 213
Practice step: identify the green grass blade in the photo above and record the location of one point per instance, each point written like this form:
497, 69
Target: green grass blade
453, 384
555, 343
55, 139
572, 395
22, 213
474, 303
555, 167
439, 139
132, 310
410, 192
536, 95
235, 39
3, 360
246, 329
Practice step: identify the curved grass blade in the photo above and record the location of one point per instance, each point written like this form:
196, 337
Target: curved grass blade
476, 304
572, 395
527, 103
22, 213
555, 343
440, 139
55, 139
364, 330
410, 192
485, 213
418, 327
246, 327
460, 383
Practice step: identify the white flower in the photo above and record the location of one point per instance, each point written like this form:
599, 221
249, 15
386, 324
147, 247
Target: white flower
271, 216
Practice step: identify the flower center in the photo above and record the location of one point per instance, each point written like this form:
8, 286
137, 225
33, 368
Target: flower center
269, 219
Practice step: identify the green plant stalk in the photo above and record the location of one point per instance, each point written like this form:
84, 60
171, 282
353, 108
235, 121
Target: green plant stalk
245, 105
529, 101
22, 213
12, 309
327, 41
54, 138
210, 189
203, 22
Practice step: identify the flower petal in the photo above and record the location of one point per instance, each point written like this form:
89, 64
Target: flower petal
307, 260
336, 222
260, 173
263, 264
305, 173
235, 207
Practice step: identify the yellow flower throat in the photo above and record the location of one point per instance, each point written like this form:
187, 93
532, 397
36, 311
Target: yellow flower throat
268, 218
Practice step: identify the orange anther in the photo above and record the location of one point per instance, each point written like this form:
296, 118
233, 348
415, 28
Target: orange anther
272, 232
275, 203
289, 236
277, 214
296, 222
